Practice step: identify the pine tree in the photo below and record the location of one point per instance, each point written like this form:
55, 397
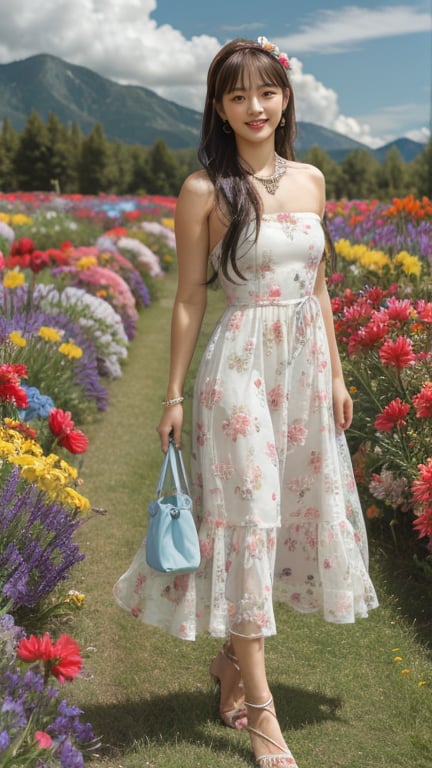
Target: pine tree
8, 147
32, 164
93, 168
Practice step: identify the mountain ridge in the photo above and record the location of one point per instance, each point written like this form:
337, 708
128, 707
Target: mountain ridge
130, 113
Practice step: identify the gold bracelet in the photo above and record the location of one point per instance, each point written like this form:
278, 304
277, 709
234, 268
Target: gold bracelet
174, 401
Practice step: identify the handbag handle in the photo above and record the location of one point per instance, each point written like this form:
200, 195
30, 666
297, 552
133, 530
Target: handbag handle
170, 460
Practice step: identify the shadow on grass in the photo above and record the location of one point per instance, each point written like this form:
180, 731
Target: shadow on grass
408, 586
187, 716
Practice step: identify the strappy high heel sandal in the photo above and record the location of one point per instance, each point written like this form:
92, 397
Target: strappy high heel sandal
226, 673
281, 759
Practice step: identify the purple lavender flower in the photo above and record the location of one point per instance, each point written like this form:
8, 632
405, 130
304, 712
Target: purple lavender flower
32, 564
4, 740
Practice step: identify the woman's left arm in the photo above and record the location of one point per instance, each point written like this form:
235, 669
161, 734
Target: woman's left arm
342, 402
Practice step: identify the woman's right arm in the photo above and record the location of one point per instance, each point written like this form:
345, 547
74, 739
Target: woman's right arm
194, 206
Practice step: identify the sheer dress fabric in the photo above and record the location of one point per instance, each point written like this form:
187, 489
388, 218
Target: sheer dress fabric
274, 492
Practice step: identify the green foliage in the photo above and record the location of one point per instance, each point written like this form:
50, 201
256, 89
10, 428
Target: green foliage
52, 156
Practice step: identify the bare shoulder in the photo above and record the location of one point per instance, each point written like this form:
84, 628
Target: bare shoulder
308, 171
197, 191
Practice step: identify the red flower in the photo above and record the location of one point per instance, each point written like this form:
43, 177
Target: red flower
22, 247
422, 487
397, 353
43, 739
67, 659
75, 441
424, 309
392, 416
38, 261
23, 429
423, 523
10, 385
62, 426
399, 309
61, 659
368, 336
60, 422
423, 402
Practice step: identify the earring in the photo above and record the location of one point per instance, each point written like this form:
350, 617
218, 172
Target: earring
282, 121
226, 127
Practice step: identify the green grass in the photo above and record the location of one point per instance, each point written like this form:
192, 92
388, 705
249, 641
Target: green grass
342, 699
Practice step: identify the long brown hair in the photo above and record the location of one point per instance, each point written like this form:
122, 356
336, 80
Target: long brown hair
235, 194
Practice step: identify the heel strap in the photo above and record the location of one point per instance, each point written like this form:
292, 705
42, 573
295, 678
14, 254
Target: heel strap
260, 706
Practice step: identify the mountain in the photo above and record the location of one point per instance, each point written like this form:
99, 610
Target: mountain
132, 114
129, 113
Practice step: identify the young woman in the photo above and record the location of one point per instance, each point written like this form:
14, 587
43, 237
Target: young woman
278, 512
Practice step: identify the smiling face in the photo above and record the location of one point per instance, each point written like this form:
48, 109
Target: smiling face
253, 108
251, 93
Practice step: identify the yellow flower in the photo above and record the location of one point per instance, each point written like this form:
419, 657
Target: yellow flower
13, 279
411, 265
71, 497
398, 658
49, 334
86, 262
352, 390
421, 682
5, 217
18, 219
75, 597
6, 448
168, 222
395, 650
16, 338
405, 671
71, 350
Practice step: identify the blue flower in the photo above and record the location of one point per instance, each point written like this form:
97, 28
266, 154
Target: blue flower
39, 406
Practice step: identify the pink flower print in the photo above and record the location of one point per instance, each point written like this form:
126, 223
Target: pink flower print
228, 565
271, 453
327, 563
311, 513
201, 434
275, 397
236, 320
295, 598
223, 470
181, 582
135, 612
240, 423
277, 330
211, 393
206, 549
316, 461
139, 581
297, 434
274, 292
258, 383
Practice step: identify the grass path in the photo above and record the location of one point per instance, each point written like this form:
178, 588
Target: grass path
342, 699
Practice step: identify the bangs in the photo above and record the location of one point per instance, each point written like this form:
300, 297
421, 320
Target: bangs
246, 65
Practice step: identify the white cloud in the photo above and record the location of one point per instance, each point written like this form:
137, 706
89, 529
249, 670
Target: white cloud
316, 103
120, 40
337, 30
421, 134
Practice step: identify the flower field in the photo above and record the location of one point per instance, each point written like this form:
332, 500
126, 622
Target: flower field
75, 273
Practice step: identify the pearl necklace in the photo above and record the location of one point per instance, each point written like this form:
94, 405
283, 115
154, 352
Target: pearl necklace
271, 183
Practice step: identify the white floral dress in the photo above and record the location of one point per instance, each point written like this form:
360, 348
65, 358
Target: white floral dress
275, 498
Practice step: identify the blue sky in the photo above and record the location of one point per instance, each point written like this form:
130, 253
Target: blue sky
362, 68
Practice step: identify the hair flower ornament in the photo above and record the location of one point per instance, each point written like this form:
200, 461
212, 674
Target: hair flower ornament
274, 50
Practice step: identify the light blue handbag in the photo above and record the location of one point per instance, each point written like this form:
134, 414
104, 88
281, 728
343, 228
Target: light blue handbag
172, 543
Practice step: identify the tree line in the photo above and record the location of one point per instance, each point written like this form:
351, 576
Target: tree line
51, 156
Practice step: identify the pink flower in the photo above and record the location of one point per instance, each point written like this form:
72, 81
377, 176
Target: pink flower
297, 434
43, 739
392, 416
397, 353
423, 402
275, 397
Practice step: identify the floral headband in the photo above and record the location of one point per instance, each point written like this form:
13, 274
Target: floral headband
274, 50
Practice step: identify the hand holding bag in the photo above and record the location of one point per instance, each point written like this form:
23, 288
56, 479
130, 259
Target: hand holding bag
172, 543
